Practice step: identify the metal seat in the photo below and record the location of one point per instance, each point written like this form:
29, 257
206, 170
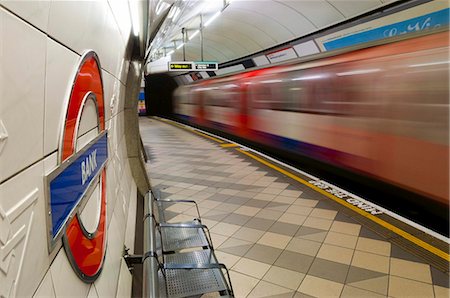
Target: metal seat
180, 274
179, 236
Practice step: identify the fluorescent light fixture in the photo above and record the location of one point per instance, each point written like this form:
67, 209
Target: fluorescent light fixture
429, 64
308, 78
271, 81
357, 72
170, 53
211, 19
180, 45
194, 34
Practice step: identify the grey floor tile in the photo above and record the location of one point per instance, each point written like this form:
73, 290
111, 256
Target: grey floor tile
294, 261
239, 250
399, 253
308, 231
260, 223
263, 253
302, 295
341, 216
256, 203
236, 219
440, 278
325, 204
214, 215
237, 200
284, 228
329, 270
218, 197
357, 274
366, 233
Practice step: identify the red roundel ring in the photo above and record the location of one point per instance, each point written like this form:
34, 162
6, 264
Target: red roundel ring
85, 251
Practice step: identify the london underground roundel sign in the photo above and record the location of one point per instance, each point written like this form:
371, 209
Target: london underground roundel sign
76, 190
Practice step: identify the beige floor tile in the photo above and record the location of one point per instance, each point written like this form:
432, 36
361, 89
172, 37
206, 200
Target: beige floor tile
412, 270
248, 234
352, 292
304, 246
247, 210
266, 289
225, 229
218, 239
242, 284
229, 191
342, 240
370, 261
284, 277
279, 185
292, 218
345, 228
298, 209
274, 240
269, 214
209, 204
377, 285
318, 223
291, 193
180, 218
319, 287
323, 213
179, 207
306, 202
272, 190
374, 246
335, 253
441, 292
228, 259
284, 199
401, 287
250, 267
264, 196
209, 222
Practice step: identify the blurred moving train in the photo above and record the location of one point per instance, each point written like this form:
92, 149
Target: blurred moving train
381, 110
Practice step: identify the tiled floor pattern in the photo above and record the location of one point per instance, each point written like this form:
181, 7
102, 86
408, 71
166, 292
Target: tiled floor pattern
279, 238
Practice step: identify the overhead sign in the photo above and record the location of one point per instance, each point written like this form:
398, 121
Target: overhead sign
193, 66
205, 65
180, 66
429, 15
281, 55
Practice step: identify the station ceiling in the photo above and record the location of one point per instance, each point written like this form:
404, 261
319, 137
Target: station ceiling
244, 27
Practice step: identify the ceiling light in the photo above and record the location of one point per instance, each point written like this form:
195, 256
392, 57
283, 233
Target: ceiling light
194, 34
211, 19
170, 53
180, 45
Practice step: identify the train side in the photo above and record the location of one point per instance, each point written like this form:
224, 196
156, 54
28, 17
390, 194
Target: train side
381, 111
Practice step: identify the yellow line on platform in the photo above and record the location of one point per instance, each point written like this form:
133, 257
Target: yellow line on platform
229, 145
377, 220
208, 136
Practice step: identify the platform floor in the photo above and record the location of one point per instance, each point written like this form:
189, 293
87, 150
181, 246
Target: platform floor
279, 237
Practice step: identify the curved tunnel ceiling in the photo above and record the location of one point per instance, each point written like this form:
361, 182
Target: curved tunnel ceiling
245, 27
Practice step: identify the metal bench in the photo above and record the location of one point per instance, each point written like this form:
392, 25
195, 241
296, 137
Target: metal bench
178, 236
180, 273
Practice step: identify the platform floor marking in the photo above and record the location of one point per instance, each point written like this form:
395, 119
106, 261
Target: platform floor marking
379, 221
231, 145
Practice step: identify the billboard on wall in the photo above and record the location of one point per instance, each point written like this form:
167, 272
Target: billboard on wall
426, 16
141, 104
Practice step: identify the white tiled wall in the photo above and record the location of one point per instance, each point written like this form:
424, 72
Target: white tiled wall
41, 43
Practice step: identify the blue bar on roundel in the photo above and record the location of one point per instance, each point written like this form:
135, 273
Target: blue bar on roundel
69, 186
